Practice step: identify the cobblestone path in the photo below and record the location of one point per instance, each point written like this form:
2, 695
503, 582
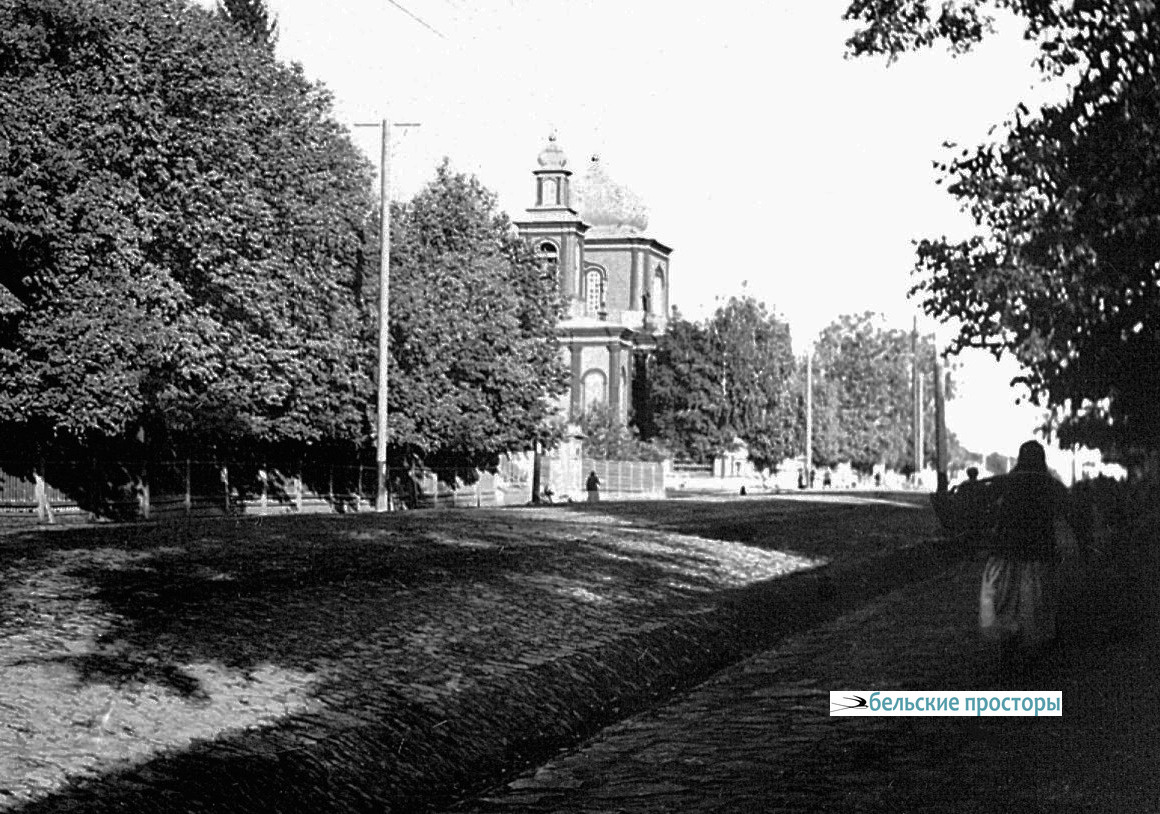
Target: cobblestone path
757, 737
394, 663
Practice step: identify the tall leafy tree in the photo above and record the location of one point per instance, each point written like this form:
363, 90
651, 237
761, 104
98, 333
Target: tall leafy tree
864, 394
686, 391
758, 367
729, 378
475, 366
1066, 272
182, 222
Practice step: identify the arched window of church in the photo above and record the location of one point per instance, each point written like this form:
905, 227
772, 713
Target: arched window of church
594, 291
549, 257
552, 192
594, 389
657, 296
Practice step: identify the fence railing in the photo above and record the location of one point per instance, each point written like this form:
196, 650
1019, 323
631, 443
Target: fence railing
620, 479
51, 490
57, 490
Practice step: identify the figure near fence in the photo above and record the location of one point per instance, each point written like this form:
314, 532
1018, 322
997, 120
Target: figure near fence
593, 487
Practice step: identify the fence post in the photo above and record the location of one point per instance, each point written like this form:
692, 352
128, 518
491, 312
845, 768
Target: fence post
188, 489
358, 490
298, 490
144, 498
225, 476
43, 504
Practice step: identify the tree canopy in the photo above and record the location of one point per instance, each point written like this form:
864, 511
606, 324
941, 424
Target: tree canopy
1066, 272
731, 377
476, 366
183, 223
253, 19
864, 395
188, 255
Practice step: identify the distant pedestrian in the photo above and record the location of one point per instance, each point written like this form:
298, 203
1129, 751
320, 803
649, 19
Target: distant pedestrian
827, 481
593, 487
974, 502
1017, 600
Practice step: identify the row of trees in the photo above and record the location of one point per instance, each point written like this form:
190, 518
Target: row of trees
1065, 272
188, 260
188, 246
734, 376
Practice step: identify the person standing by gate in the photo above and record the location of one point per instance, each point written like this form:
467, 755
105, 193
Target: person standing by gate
593, 487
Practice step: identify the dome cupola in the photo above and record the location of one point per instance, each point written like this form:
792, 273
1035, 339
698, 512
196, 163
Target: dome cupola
607, 206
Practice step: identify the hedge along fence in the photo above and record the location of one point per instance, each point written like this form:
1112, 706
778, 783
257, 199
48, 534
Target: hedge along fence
49, 491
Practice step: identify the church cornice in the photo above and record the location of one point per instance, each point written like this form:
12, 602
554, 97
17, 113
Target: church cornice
553, 224
626, 242
572, 333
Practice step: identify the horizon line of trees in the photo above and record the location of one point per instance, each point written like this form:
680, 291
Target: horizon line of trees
1065, 271
733, 377
189, 239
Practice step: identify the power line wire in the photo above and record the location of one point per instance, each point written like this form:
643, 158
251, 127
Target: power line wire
417, 19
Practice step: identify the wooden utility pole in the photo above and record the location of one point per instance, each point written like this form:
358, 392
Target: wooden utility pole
940, 419
382, 496
916, 401
809, 465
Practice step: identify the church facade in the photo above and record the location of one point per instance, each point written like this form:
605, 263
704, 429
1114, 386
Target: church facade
615, 279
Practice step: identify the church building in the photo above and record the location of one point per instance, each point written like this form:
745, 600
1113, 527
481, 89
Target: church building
615, 279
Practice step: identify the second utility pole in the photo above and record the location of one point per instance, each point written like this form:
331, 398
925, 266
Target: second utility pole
809, 461
382, 495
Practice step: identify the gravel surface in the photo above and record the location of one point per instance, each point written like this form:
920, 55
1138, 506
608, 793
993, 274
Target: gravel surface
401, 662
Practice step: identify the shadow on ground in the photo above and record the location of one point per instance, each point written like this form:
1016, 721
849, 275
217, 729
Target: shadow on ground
439, 651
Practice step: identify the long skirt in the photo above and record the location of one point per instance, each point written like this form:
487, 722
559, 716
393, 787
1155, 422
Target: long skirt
1017, 601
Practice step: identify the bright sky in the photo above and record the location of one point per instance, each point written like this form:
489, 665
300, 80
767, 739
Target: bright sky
766, 158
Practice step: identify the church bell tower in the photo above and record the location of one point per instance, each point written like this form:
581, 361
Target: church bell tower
552, 226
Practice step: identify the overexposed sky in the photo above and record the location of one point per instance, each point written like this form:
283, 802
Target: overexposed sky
764, 156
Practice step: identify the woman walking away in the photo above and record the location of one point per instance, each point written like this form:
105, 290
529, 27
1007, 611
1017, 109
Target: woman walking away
1017, 601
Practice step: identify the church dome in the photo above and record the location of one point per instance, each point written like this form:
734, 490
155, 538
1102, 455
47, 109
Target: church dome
552, 157
607, 205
